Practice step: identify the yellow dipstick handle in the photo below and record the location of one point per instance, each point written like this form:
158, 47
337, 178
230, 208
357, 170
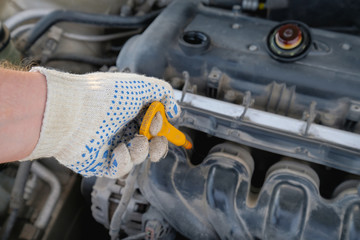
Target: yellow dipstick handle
172, 134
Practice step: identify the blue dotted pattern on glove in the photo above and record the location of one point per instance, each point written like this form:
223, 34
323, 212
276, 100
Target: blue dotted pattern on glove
128, 100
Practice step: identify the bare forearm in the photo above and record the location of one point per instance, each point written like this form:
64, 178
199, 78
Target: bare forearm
22, 105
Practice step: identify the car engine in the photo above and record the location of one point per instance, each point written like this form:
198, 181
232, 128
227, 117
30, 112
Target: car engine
270, 98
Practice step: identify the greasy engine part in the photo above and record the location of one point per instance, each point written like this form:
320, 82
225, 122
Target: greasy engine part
335, 14
17, 199
216, 199
105, 197
225, 54
289, 41
78, 17
7, 49
156, 226
287, 136
48, 202
233, 65
242, 91
213, 200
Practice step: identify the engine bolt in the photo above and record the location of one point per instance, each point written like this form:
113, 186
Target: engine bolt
235, 26
253, 48
346, 46
230, 96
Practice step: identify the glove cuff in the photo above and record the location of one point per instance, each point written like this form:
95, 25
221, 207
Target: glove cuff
62, 113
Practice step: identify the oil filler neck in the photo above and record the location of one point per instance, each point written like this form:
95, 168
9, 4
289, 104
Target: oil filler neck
289, 41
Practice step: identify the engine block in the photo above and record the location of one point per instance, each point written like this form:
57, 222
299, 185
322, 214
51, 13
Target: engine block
213, 200
307, 107
227, 54
239, 84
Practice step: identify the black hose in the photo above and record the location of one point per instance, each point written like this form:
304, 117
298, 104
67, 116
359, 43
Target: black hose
17, 199
9, 224
88, 18
83, 59
125, 199
224, 3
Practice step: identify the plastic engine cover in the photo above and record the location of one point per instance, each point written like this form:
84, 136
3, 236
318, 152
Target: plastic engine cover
213, 200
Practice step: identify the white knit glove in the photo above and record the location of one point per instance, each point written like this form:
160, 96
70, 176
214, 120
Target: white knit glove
91, 121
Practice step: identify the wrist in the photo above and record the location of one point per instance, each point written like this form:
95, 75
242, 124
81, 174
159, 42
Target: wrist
22, 97
35, 108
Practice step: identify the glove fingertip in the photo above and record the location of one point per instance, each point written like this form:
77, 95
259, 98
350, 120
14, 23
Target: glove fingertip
120, 163
139, 149
172, 110
156, 124
158, 148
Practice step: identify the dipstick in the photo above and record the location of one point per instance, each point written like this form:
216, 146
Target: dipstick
167, 130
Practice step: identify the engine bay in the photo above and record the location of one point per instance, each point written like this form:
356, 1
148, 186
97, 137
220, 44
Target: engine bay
269, 92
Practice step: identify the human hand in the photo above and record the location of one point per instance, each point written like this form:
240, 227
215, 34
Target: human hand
91, 121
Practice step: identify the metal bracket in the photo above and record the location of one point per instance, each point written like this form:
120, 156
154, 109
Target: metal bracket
186, 85
247, 101
311, 117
